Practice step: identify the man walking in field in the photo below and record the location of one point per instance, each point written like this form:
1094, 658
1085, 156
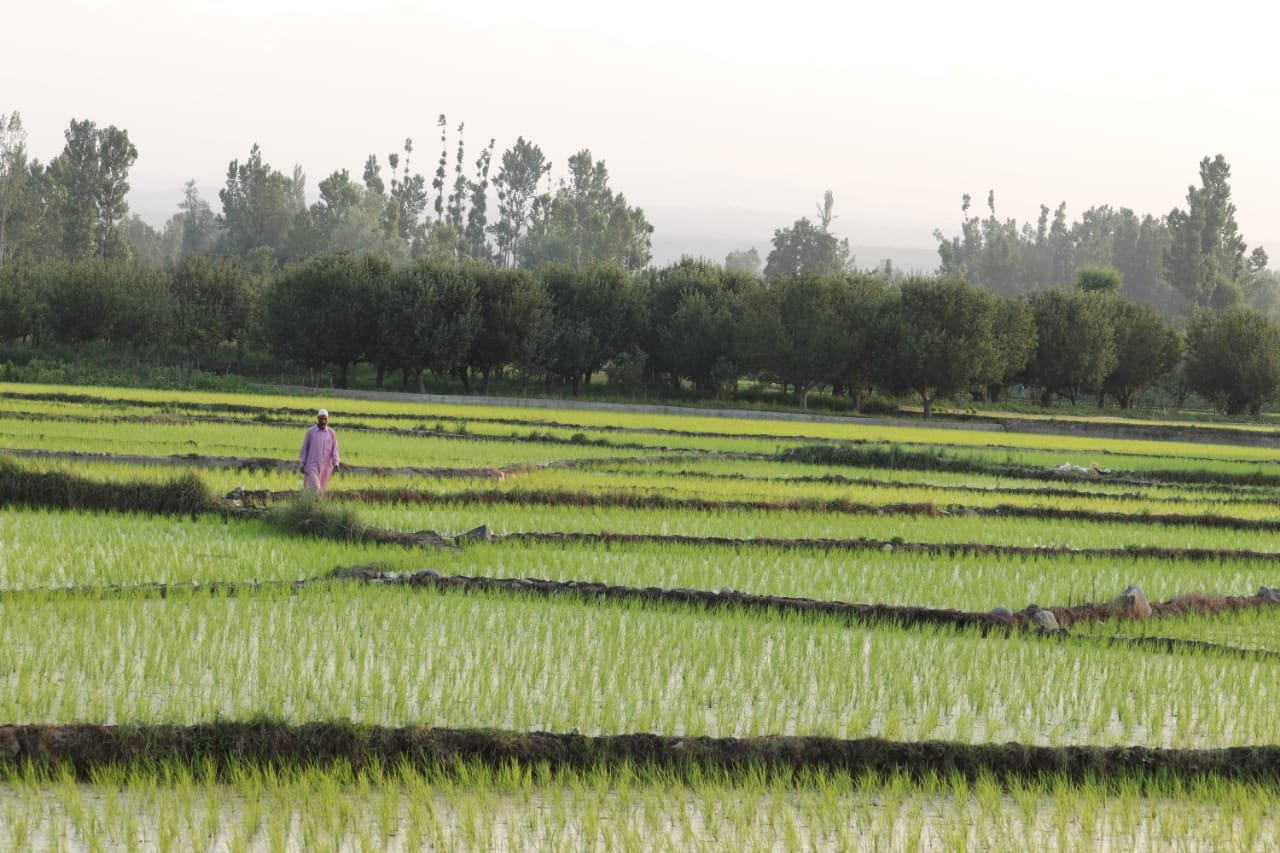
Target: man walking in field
319, 455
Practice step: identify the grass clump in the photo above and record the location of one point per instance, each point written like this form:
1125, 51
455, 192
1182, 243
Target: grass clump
181, 495
311, 514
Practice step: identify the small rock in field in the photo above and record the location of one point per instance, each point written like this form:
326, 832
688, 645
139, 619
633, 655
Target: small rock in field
1043, 619
481, 532
1270, 593
1002, 611
1139, 607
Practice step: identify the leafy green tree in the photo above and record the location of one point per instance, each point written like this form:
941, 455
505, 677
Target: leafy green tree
429, 319
588, 224
348, 217
23, 282
1138, 255
13, 175
516, 323
212, 303
1099, 280
1075, 342
475, 244
144, 243
321, 312
1015, 339
522, 168
792, 332
409, 199
437, 182
863, 304
93, 172
693, 308
1233, 359
1147, 349
989, 251
744, 261
259, 207
1206, 253
806, 249
939, 339
458, 195
200, 230
598, 314
116, 302
79, 304
142, 313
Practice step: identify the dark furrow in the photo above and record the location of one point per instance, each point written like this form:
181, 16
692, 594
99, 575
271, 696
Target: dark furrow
227, 747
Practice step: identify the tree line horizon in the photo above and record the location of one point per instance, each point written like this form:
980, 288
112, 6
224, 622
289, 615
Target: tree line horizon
435, 272
75, 206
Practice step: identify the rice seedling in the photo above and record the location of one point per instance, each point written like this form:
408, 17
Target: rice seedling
405, 809
379, 656
43, 549
395, 656
742, 523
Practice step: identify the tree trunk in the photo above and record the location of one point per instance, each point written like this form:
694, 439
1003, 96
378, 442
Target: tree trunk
422, 389
927, 405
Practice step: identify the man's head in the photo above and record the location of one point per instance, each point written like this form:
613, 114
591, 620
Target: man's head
322, 418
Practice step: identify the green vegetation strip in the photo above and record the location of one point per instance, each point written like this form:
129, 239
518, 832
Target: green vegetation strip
186, 494
892, 456
903, 616
862, 544
986, 623
229, 746
843, 506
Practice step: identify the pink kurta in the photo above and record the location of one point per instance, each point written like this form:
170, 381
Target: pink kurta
318, 458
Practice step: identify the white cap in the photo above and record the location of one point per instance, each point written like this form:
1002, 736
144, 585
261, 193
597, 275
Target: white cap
323, 413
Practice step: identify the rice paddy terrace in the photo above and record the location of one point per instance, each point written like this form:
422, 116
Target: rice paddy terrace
561, 628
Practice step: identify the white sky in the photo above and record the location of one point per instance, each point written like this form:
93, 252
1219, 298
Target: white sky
723, 121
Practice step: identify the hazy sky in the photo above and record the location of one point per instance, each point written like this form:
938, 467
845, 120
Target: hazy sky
723, 121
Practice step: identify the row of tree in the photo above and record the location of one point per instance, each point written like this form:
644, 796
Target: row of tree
688, 323
1194, 257
75, 207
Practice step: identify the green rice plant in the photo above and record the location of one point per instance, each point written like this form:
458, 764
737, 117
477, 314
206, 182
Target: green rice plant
386, 657
671, 425
181, 494
450, 519
48, 549
573, 810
